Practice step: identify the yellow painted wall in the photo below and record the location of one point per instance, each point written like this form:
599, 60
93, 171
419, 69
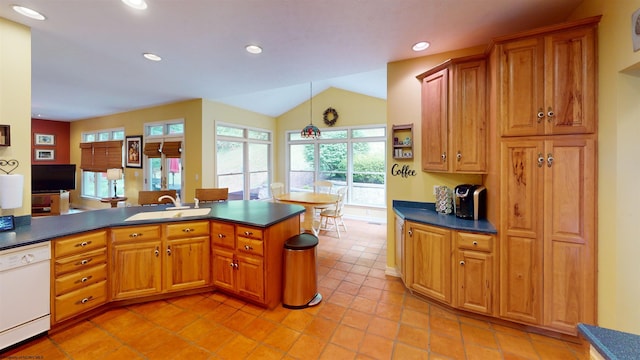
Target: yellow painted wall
403, 107
133, 124
618, 165
15, 103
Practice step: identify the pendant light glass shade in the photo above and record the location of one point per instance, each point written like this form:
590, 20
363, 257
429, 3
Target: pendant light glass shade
310, 131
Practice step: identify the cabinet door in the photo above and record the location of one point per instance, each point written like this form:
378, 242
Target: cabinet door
223, 269
569, 234
570, 82
187, 264
469, 117
435, 89
430, 251
520, 87
521, 222
250, 277
474, 277
137, 269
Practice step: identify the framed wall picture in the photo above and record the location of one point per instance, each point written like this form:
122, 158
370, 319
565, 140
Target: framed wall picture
133, 155
45, 155
45, 139
635, 29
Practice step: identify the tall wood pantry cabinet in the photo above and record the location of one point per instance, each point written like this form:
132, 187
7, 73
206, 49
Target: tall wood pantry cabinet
454, 116
543, 115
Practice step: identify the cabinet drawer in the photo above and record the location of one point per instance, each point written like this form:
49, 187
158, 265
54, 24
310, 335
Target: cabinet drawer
80, 261
80, 300
187, 229
223, 235
78, 244
249, 232
79, 279
135, 233
250, 246
478, 242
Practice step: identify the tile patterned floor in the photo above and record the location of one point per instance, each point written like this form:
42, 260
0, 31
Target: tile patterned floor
364, 315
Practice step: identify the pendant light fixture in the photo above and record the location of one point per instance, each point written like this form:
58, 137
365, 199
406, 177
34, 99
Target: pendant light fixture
310, 131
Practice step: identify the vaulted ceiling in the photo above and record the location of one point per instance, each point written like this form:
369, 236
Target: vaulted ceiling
87, 55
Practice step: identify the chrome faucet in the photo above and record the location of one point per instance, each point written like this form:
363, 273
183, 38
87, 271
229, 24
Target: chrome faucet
176, 202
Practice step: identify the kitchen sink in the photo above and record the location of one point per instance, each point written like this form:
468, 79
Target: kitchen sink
168, 214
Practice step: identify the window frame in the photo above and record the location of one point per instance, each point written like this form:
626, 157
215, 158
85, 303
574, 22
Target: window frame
91, 137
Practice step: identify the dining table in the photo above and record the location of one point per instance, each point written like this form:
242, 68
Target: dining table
309, 200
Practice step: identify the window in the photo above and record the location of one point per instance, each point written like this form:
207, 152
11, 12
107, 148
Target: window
100, 150
243, 161
352, 157
164, 155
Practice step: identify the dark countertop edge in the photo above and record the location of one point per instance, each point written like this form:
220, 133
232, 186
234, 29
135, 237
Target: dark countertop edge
612, 344
423, 212
41, 229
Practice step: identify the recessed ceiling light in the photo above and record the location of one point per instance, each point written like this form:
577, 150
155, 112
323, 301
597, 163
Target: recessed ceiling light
28, 12
152, 57
422, 45
136, 4
253, 49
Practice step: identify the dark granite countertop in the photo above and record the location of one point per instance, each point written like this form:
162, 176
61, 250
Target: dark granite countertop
425, 213
612, 344
247, 212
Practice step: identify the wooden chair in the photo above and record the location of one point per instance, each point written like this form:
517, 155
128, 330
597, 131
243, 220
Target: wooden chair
151, 197
322, 186
277, 188
212, 194
335, 214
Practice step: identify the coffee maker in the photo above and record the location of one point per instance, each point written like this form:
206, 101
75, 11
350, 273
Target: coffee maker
470, 201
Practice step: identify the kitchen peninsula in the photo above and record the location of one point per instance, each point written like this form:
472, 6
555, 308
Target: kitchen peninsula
101, 260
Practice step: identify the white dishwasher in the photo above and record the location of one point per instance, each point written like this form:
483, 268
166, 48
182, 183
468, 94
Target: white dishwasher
24, 292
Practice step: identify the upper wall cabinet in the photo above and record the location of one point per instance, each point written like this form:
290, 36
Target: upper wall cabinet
454, 118
546, 81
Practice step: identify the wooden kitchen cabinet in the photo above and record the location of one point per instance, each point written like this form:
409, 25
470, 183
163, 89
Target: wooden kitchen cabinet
548, 222
247, 261
474, 272
154, 259
428, 261
546, 81
187, 253
136, 261
454, 117
79, 274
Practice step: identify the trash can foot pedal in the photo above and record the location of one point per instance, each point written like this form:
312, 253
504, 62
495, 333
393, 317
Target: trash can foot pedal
316, 300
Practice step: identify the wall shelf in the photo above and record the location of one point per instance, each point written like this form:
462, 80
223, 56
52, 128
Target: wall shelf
402, 139
5, 135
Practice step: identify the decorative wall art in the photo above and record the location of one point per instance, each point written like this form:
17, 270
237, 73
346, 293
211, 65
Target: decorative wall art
45, 139
133, 155
45, 155
635, 30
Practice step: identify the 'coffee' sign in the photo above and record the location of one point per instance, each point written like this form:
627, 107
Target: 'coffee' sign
403, 171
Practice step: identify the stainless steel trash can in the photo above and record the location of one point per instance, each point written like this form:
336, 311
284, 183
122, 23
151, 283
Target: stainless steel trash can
300, 286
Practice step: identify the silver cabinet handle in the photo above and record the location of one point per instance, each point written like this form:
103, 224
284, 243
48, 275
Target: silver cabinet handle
187, 230
540, 159
84, 279
83, 244
135, 235
169, 250
85, 300
247, 247
549, 160
157, 251
459, 156
550, 114
221, 235
444, 156
540, 114
461, 262
83, 262
410, 232
248, 233
475, 243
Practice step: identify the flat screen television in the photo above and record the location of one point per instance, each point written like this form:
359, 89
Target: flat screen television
53, 177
